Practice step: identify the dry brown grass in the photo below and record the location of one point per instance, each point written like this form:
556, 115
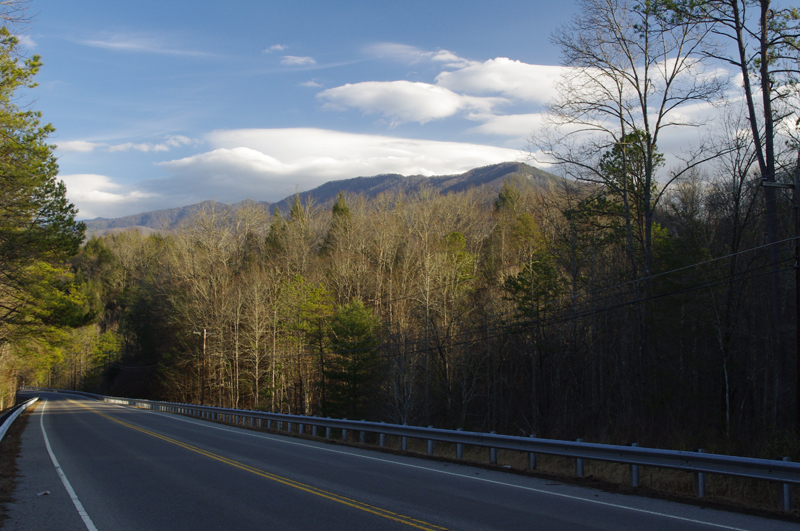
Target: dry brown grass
9, 451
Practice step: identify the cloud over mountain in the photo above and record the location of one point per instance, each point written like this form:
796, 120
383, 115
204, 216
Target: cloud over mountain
405, 101
269, 164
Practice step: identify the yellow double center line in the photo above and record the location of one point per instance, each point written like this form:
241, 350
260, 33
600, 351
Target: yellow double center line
419, 524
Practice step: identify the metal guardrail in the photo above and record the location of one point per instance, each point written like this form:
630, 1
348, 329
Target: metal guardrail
13, 416
699, 463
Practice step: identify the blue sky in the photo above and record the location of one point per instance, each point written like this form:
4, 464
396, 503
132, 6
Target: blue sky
163, 104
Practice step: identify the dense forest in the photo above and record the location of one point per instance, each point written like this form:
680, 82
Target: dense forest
645, 296
517, 312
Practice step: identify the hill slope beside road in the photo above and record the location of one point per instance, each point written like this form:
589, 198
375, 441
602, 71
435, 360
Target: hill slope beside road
137, 469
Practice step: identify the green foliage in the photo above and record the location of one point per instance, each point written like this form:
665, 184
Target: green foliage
352, 367
507, 198
459, 258
340, 209
297, 212
341, 222
277, 231
532, 288
38, 231
56, 299
625, 166
36, 220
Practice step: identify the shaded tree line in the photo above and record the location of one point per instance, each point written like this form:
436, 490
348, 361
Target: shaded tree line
516, 312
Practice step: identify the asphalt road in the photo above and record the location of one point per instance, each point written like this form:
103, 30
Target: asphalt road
143, 470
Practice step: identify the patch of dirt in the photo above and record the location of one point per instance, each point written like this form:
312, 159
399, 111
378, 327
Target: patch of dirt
10, 448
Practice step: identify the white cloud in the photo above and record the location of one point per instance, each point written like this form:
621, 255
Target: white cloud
404, 101
513, 79
521, 125
479, 88
140, 43
26, 41
98, 196
127, 146
78, 146
170, 142
271, 164
411, 54
276, 48
311, 83
293, 60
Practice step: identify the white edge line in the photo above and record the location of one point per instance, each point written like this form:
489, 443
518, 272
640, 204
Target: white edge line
78, 505
409, 465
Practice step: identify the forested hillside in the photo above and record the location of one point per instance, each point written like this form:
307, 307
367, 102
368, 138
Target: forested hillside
516, 312
490, 177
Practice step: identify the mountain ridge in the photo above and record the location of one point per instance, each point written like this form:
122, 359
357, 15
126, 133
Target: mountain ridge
491, 177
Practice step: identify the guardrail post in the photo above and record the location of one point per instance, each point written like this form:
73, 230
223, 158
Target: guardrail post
301, 429
532, 455
700, 480
362, 435
327, 432
259, 423
269, 424
382, 438
404, 440
493, 453
344, 434
430, 443
314, 430
289, 427
786, 494
579, 464
459, 447
634, 471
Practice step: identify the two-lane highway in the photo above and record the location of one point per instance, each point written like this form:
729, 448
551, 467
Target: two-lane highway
121, 468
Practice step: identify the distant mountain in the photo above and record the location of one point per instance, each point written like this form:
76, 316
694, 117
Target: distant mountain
155, 221
490, 177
